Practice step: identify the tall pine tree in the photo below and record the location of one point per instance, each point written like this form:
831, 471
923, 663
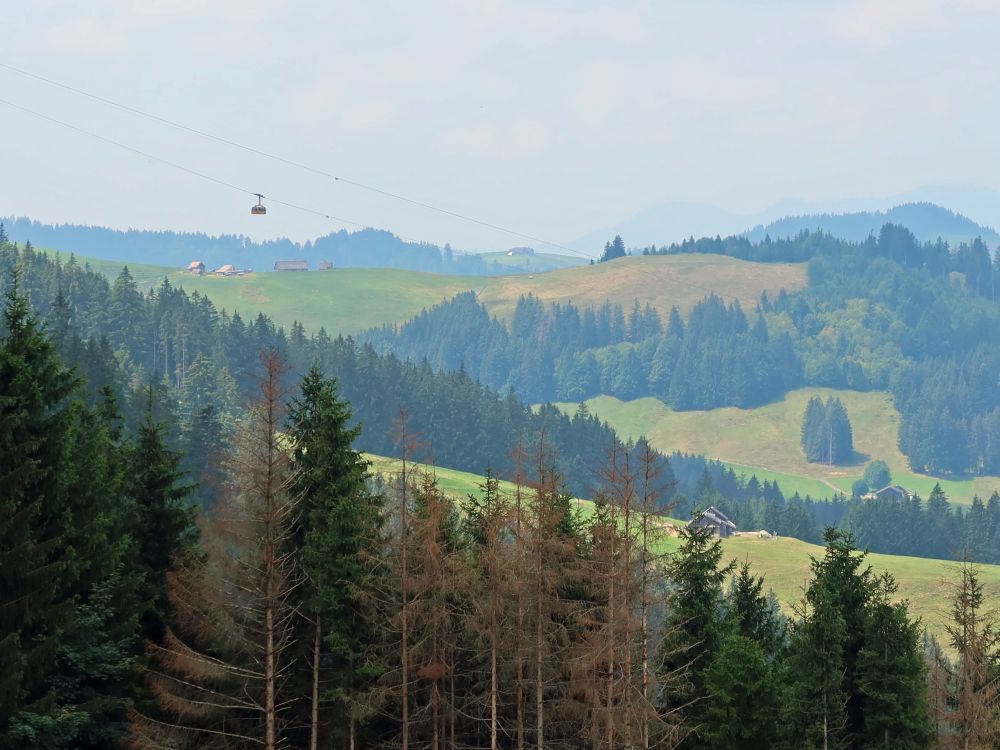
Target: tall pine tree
340, 526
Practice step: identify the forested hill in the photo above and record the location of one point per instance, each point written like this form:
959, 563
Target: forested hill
201, 363
890, 313
927, 221
367, 248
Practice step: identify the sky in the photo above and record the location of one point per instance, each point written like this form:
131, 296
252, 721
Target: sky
549, 118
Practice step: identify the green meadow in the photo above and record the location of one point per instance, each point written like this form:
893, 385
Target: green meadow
348, 300
766, 440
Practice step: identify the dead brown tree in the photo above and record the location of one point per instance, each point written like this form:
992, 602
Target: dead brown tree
221, 674
972, 718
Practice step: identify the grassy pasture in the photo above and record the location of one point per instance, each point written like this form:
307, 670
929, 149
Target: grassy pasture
351, 299
662, 281
765, 440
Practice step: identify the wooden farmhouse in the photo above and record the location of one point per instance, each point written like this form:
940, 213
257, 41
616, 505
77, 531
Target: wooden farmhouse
196, 268
291, 265
893, 493
227, 270
324, 265
714, 519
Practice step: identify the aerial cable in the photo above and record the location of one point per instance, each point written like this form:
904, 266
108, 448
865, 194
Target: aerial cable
175, 165
287, 161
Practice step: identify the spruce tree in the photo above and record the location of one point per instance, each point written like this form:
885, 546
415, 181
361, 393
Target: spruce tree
854, 673
752, 614
612, 250
70, 598
972, 716
35, 567
826, 432
841, 439
694, 627
163, 517
814, 711
742, 698
812, 425
892, 676
340, 524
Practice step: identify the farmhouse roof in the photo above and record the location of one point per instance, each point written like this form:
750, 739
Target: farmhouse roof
228, 268
195, 264
893, 489
291, 265
714, 516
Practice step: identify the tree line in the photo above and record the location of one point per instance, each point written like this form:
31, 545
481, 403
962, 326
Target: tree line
365, 248
559, 352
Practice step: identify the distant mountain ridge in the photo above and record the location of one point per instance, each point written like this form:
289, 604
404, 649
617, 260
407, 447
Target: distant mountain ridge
367, 248
927, 221
977, 214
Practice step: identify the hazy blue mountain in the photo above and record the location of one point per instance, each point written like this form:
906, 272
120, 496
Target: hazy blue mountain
977, 212
980, 204
927, 221
666, 223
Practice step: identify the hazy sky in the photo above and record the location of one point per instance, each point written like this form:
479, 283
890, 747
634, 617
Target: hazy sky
552, 118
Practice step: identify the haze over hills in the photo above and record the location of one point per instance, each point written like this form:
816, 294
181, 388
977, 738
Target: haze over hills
366, 248
920, 210
927, 221
658, 225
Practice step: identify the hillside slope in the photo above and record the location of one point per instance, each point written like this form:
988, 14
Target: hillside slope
346, 300
785, 561
768, 438
662, 281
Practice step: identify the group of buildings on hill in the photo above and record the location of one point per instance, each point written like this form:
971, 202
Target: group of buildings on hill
197, 267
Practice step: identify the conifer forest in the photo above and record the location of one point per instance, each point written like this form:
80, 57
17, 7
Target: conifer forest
508, 375
196, 554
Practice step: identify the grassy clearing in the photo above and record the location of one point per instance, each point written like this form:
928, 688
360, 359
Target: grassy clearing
352, 299
784, 561
925, 583
765, 440
662, 281
341, 301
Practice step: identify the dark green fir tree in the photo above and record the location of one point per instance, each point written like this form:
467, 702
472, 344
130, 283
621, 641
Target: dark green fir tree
340, 527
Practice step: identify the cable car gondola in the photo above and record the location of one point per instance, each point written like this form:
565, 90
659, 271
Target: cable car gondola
259, 209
